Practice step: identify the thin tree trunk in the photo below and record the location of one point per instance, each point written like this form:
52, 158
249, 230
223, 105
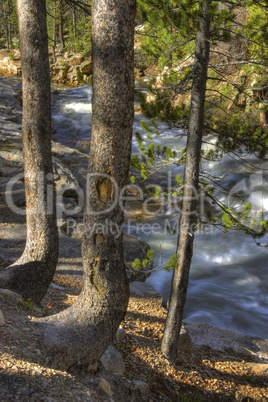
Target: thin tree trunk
5, 23
61, 27
74, 23
54, 34
188, 216
83, 332
33, 272
8, 24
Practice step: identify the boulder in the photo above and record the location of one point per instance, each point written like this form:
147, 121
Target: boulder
184, 343
141, 386
8, 293
86, 67
76, 59
223, 339
113, 361
142, 289
120, 335
105, 387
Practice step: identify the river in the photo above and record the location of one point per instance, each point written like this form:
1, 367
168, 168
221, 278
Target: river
228, 284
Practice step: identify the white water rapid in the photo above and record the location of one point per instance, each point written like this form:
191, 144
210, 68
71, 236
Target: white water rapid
229, 277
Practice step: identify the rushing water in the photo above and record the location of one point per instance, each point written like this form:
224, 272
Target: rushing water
229, 278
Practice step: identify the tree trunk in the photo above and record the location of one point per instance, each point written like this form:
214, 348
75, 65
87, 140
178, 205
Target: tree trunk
8, 24
54, 33
5, 23
61, 28
83, 332
33, 272
74, 23
191, 177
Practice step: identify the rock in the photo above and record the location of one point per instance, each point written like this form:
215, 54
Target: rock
120, 335
259, 368
9, 293
113, 361
56, 287
92, 368
105, 387
86, 67
222, 339
142, 289
75, 60
184, 344
2, 320
141, 386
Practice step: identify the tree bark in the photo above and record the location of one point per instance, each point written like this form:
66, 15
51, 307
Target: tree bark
33, 272
54, 33
191, 176
8, 24
5, 23
74, 22
61, 27
83, 332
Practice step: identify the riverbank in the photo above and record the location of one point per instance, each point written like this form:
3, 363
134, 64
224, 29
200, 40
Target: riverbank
207, 373
203, 375
69, 68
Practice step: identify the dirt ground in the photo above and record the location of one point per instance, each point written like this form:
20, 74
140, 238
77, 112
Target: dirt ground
205, 375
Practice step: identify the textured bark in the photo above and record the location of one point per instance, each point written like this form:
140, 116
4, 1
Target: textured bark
82, 333
33, 272
5, 24
54, 33
61, 27
188, 216
74, 23
8, 24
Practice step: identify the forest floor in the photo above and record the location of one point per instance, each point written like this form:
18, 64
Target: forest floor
205, 375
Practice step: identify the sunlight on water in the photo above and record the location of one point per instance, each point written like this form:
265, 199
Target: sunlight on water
228, 284
79, 107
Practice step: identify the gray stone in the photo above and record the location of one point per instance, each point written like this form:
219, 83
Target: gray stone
105, 387
56, 287
2, 320
113, 361
141, 386
142, 289
184, 343
9, 293
222, 339
120, 334
92, 368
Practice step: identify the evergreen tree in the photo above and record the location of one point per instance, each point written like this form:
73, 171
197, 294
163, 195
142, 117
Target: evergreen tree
80, 334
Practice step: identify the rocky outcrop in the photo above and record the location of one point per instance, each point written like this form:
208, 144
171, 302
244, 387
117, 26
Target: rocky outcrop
223, 340
69, 68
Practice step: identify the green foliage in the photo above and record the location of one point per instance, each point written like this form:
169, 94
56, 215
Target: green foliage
11, 56
27, 304
133, 179
90, 82
139, 264
136, 265
80, 77
76, 23
171, 262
